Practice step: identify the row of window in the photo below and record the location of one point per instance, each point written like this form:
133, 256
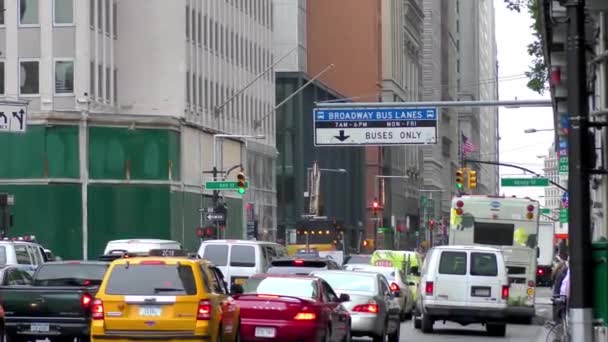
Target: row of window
104, 25
102, 79
208, 94
258, 13
226, 43
29, 77
63, 12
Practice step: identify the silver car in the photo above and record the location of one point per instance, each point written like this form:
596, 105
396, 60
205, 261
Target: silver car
373, 308
398, 283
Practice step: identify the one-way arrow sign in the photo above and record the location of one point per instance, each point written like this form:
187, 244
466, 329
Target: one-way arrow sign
215, 217
342, 137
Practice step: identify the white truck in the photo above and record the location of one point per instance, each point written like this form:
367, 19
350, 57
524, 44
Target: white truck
546, 253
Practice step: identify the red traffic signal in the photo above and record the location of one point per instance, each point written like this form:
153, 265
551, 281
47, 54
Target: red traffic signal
375, 205
431, 224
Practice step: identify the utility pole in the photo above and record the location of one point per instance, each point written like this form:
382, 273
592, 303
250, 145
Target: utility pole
581, 265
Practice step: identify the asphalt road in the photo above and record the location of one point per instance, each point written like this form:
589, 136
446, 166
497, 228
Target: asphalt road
476, 332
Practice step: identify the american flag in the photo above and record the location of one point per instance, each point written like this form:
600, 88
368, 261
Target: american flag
467, 146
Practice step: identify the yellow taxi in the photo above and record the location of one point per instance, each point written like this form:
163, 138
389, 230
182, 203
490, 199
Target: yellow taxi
164, 296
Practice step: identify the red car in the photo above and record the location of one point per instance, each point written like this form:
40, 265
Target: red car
292, 308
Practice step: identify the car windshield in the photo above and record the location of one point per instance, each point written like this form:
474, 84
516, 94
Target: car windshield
301, 288
155, 279
344, 282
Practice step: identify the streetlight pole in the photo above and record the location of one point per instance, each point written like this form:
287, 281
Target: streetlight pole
377, 222
426, 218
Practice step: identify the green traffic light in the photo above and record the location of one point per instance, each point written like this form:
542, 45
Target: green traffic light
241, 191
459, 186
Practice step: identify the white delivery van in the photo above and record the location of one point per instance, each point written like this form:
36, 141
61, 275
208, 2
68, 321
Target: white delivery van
240, 259
466, 285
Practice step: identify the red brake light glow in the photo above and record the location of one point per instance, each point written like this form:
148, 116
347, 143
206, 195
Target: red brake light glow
505, 292
97, 310
429, 287
152, 262
204, 310
85, 301
305, 316
540, 271
395, 287
367, 308
298, 262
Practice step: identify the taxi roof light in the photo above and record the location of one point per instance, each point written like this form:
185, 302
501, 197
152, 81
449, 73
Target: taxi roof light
152, 262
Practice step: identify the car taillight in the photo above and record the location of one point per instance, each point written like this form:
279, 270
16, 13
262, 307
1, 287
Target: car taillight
305, 315
428, 289
85, 301
505, 292
97, 310
540, 271
204, 310
395, 287
367, 308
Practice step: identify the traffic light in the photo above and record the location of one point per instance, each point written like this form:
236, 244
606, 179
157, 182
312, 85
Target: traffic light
472, 179
459, 179
375, 206
241, 182
431, 224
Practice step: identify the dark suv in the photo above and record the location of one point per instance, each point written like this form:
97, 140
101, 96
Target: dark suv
301, 265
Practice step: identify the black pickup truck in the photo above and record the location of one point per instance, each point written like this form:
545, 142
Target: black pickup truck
56, 305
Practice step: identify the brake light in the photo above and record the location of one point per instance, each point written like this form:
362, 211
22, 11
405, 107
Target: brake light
152, 262
505, 292
1, 311
85, 301
305, 316
428, 288
97, 310
367, 308
204, 310
540, 271
395, 287
298, 262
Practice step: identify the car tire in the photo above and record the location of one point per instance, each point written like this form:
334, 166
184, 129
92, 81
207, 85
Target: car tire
382, 336
14, 338
394, 337
417, 322
496, 329
426, 324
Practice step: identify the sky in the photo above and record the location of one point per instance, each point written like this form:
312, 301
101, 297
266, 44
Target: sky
513, 34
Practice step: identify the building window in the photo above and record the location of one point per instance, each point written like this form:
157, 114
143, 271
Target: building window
64, 12
188, 22
2, 78
115, 85
28, 12
108, 83
188, 87
92, 84
64, 77
107, 14
92, 13
2, 13
29, 78
115, 19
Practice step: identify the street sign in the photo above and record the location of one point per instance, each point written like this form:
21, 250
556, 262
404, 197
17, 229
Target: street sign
384, 230
215, 217
545, 211
563, 164
563, 215
375, 126
223, 185
524, 181
13, 117
565, 201
207, 210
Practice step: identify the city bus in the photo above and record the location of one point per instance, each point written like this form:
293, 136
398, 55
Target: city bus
510, 224
316, 234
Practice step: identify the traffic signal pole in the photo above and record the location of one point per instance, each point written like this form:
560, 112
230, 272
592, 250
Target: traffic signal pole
581, 264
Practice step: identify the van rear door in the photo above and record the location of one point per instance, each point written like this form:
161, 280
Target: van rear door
450, 283
484, 283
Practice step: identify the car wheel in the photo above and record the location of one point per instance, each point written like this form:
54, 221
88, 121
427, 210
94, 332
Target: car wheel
496, 329
426, 324
382, 336
394, 337
417, 322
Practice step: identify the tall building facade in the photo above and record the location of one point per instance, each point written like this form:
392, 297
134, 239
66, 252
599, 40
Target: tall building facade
440, 83
478, 76
553, 195
378, 59
125, 97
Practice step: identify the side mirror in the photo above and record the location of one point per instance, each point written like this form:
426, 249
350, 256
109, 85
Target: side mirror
411, 283
344, 298
396, 294
236, 289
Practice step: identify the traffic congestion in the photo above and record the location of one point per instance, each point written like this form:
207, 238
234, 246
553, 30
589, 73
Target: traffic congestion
246, 290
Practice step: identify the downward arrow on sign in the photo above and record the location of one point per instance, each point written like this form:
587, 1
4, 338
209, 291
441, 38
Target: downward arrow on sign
341, 137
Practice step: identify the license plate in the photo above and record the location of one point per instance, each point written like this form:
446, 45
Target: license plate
240, 281
265, 332
481, 292
150, 311
39, 327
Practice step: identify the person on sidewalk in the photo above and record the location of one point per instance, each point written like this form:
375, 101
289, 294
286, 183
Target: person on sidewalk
559, 274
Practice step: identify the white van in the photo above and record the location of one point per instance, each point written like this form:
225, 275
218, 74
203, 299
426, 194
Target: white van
463, 284
240, 259
139, 245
